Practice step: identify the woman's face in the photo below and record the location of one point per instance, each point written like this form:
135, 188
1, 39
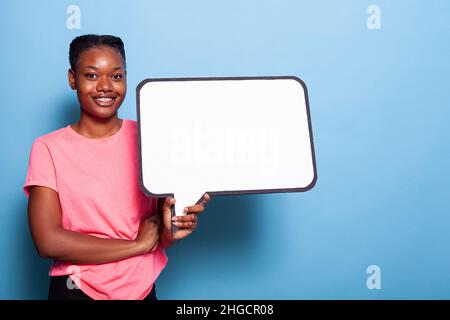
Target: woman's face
100, 81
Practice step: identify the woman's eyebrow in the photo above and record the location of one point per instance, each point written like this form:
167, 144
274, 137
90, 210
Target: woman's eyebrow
95, 68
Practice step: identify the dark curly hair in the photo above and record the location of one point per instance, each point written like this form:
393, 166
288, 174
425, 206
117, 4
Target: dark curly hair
82, 43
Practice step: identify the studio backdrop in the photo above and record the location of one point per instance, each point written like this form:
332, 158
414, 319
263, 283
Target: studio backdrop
375, 225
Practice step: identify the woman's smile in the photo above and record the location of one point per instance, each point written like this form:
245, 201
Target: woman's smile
104, 101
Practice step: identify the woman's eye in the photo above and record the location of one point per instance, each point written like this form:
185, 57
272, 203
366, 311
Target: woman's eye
117, 76
90, 75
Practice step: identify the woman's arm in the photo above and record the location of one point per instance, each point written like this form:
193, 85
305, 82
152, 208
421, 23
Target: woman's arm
55, 242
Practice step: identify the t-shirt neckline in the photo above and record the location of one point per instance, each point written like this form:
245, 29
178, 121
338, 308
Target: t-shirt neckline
111, 137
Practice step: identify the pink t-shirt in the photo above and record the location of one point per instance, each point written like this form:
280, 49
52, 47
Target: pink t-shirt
98, 188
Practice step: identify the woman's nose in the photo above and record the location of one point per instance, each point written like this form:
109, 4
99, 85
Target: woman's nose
104, 84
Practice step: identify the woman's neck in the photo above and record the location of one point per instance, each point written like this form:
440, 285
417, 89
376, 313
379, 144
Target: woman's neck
97, 127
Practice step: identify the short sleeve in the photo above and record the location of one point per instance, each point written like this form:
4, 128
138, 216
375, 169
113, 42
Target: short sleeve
41, 169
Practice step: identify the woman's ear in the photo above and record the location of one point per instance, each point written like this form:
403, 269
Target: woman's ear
71, 76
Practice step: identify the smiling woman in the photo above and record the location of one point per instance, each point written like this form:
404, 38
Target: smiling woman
98, 75
86, 210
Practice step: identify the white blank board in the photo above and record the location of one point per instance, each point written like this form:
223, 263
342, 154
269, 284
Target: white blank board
224, 136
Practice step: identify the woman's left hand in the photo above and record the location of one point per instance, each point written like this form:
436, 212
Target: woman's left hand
186, 224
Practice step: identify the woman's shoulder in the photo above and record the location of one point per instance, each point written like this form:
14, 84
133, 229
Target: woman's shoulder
53, 136
130, 122
131, 127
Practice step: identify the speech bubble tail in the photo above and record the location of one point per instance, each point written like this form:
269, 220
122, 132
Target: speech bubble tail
184, 200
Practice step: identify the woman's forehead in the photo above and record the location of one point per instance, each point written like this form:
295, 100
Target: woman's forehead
101, 57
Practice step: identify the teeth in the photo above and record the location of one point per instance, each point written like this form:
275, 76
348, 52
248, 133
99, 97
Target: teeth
104, 99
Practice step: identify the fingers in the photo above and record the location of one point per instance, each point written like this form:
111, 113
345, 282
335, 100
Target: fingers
206, 198
185, 223
198, 208
168, 203
188, 221
155, 219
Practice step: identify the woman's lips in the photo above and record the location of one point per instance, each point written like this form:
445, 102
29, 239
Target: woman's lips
104, 101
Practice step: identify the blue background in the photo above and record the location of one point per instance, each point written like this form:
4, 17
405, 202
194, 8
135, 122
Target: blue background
380, 110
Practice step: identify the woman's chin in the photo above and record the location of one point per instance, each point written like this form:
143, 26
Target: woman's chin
103, 113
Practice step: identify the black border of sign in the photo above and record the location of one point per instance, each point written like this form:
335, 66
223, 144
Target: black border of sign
238, 192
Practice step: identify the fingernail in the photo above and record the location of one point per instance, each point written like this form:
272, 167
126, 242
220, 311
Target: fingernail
186, 209
174, 218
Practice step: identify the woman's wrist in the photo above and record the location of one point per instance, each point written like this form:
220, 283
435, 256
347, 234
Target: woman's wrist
138, 247
166, 238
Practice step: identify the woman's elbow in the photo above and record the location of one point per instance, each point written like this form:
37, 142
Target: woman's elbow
47, 247
45, 251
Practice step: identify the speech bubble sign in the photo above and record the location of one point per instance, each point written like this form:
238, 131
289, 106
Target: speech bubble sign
224, 136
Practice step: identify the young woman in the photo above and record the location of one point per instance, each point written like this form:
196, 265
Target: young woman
86, 209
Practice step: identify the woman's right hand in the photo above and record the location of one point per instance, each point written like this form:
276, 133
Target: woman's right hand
148, 235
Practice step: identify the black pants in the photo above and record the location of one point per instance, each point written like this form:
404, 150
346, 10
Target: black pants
58, 290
